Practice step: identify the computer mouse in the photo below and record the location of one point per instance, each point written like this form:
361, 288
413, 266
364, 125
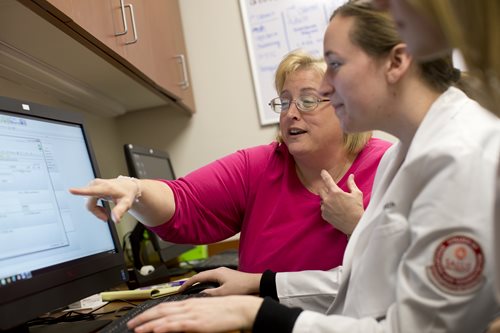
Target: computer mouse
200, 286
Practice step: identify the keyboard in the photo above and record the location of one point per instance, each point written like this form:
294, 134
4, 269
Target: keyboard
228, 258
120, 325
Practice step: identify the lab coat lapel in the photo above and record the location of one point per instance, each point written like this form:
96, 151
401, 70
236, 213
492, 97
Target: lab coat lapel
383, 180
388, 167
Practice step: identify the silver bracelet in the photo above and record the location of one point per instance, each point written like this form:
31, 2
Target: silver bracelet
137, 183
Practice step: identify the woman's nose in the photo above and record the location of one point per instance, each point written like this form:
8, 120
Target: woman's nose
293, 111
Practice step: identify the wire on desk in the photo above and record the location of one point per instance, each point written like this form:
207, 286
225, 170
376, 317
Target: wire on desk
71, 316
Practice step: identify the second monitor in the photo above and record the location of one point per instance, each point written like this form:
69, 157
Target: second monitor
150, 163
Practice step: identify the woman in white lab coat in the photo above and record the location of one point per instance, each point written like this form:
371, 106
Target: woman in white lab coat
420, 258
430, 27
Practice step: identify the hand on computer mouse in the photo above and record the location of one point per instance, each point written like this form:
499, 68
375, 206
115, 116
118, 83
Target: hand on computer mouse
200, 287
230, 281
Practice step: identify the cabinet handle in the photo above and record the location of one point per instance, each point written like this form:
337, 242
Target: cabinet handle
185, 80
124, 20
134, 27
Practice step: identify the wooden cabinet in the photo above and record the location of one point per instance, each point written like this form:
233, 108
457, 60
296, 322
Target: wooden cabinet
145, 36
171, 60
98, 19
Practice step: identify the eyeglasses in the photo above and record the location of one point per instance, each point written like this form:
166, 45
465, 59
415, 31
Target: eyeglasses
303, 103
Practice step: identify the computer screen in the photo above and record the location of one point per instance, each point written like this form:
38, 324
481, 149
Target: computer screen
53, 251
151, 163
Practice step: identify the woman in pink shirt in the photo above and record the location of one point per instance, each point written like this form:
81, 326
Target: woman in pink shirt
295, 201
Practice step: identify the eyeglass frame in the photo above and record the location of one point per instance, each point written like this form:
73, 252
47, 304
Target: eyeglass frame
297, 105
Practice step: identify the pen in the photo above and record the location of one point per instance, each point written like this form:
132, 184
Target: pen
177, 283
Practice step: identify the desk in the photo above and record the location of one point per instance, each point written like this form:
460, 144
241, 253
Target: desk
111, 311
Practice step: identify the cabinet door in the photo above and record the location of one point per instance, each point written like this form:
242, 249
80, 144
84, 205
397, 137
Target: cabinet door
98, 20
146, 36
180, 44
172, 70
137, 43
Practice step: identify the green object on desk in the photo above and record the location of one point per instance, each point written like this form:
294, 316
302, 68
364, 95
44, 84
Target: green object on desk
198, 253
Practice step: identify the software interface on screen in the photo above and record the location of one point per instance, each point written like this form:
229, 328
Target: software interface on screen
41, 223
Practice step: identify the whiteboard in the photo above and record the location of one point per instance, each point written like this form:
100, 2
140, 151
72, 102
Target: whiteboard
272, 29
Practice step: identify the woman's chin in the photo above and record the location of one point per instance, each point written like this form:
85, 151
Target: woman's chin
297, 149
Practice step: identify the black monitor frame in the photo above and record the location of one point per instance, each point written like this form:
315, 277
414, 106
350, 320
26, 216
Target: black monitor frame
167, 251
59, 285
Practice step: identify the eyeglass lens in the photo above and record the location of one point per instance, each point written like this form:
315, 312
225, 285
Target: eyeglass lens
303, 103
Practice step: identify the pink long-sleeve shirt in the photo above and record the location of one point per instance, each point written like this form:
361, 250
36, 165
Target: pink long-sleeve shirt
256, 191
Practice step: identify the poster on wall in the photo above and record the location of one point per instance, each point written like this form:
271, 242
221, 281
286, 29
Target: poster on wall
272, 29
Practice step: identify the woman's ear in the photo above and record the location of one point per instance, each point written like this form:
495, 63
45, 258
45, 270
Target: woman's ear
399, 63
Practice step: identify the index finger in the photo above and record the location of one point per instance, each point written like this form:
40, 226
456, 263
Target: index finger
91, 191
328, 180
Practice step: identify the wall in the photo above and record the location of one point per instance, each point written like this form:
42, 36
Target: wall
226, 117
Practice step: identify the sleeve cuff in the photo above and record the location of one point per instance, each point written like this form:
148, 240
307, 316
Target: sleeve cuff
274, 317
268, 285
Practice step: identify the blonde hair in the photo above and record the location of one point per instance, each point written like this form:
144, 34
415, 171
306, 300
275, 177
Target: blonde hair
472, 26
300, 60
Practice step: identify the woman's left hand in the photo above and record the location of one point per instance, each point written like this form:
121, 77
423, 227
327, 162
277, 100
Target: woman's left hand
341, 209
209, 314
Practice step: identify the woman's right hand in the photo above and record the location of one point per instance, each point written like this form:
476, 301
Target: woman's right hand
341, 209
122, 191
231, 282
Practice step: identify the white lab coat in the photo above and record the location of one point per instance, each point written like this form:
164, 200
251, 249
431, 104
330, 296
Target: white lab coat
443, 187
497, 236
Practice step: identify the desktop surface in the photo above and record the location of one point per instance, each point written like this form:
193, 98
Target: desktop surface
227, 258
87, 326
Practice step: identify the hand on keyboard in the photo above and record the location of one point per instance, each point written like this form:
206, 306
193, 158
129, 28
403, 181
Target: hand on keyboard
210, 314
120, 325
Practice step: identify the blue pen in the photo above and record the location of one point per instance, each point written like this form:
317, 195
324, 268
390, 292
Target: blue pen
177, 283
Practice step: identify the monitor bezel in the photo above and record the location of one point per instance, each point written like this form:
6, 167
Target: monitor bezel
59, 285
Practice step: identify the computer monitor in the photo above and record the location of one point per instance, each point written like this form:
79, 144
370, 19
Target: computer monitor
53, 251
151, 163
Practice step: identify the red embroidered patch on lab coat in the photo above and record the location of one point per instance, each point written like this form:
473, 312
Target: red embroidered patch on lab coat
458, 265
